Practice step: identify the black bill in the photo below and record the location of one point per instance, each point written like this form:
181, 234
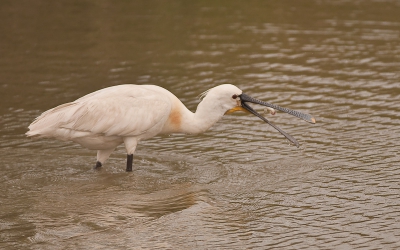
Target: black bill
245, 98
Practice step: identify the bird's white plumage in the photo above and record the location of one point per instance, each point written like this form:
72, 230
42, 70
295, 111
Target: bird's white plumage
121, 111
104, 119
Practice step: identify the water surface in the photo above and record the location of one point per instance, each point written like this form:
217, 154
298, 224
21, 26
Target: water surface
239, 185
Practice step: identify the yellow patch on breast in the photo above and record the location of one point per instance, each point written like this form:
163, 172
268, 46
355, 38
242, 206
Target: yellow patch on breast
175, 117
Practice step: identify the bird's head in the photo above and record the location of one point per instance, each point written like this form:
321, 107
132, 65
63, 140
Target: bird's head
232, 99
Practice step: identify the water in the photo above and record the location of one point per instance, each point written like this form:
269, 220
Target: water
240, 185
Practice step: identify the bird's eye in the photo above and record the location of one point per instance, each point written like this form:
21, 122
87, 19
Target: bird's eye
234, 96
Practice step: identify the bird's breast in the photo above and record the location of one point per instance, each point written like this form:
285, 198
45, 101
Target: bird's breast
175, 118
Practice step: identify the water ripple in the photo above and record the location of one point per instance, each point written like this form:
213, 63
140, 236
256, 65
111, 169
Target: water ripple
240, 184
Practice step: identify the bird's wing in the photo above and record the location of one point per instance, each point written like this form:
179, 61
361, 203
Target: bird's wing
122, 116
124, 110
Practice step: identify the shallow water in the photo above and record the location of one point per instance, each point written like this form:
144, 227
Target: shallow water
240, 185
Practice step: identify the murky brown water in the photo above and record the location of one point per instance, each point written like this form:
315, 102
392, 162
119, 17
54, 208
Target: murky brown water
240, 185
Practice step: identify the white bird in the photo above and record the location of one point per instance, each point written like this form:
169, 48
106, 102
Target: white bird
127, 114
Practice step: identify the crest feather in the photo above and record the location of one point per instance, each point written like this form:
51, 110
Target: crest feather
202, 95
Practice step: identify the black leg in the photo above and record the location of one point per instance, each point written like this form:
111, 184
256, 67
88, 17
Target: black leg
129, 161
98, 165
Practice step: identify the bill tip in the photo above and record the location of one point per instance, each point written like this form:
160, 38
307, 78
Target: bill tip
313, 120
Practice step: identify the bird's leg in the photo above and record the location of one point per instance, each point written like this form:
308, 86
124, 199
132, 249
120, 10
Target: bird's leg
102, 156
130, 145
98, 165
129, 161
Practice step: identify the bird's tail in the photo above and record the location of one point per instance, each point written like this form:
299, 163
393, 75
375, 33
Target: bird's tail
47, 124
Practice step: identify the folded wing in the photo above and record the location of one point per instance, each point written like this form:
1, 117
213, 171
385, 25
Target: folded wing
118, 114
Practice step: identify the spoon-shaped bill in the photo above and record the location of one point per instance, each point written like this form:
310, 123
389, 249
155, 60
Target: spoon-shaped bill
245, 98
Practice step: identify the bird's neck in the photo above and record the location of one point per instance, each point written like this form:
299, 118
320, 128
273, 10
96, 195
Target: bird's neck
192, 123
204, 118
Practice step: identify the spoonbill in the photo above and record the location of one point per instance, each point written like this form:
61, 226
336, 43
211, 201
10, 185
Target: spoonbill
129, 113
